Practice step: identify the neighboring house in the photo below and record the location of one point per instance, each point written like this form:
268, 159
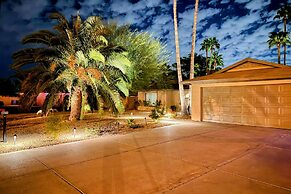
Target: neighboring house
249, 92
11, 103
9, 100
168, 97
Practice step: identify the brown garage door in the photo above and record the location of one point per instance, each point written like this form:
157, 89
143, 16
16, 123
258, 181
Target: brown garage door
264, 105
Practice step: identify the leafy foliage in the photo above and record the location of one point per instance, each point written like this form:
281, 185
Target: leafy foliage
76, 56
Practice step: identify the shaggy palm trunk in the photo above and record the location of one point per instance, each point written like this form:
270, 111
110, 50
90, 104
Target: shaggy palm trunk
285, 46
179, 71
76, 104
279, 57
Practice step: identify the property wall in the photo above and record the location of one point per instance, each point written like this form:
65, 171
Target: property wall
167, 97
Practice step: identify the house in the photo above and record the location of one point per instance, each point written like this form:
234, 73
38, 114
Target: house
167, 97
11, 103
249, 92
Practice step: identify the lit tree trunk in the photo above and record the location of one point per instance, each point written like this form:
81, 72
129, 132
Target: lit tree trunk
76, 104
179, 71
193, 50
210, 57
193, 41
206, 60
285, 46
279, 57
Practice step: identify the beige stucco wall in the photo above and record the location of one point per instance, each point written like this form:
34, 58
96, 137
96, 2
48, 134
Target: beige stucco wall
167, 97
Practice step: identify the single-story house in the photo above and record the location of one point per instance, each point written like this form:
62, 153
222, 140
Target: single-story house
167, 97
249, 92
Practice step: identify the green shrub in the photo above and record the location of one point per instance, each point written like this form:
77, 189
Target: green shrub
173, 108
131, 123
146, 103
155, 115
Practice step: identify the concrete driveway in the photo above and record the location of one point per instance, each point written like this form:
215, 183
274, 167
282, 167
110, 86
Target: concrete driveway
185, 158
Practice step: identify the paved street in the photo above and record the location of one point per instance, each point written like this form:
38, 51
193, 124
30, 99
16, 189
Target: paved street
184, 158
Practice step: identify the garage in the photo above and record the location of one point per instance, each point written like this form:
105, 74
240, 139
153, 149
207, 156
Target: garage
249, 92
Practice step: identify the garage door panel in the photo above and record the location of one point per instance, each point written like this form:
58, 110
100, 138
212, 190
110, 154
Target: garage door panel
286, 100
273, 100
272, 112
265, 105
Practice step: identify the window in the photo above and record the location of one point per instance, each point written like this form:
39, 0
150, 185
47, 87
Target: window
151, 97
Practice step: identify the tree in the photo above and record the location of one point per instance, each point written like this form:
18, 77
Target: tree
147, 55
200, 67
78, 57
278, 39
179, 72
205, 45
284, 13
193, 40
9, 86
216, 61
213, 44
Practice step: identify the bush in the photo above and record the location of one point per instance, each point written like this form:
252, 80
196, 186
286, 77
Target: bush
155, 114
146, 103
173, 108
131, 123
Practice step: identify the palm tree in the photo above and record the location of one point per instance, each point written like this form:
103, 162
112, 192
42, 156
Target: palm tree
78, 57
205, 45
193, 41
278, 39
179, 71
284, 13
213, 44
216, 60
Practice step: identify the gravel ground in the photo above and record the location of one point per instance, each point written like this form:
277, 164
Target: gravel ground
34, 131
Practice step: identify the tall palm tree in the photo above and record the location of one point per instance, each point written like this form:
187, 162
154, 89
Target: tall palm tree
205, 45
284, 13
193, 41
78, 57
213, 44
216, 60
179, 71
278, 39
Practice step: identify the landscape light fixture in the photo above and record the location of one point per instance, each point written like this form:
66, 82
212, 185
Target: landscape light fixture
4, 113
74, 132
14, 138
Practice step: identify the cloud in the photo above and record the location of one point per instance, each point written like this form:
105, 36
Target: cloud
241, 26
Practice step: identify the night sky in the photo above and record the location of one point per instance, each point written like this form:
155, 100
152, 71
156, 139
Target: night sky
241, 26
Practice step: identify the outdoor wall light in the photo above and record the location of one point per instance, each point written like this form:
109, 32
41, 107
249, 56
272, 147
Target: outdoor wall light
131, 113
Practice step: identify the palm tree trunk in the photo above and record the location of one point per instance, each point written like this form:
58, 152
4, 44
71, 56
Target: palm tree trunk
207, 66
285, 46
179, 71
279, 56
193, 41
211, 51
76, 104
